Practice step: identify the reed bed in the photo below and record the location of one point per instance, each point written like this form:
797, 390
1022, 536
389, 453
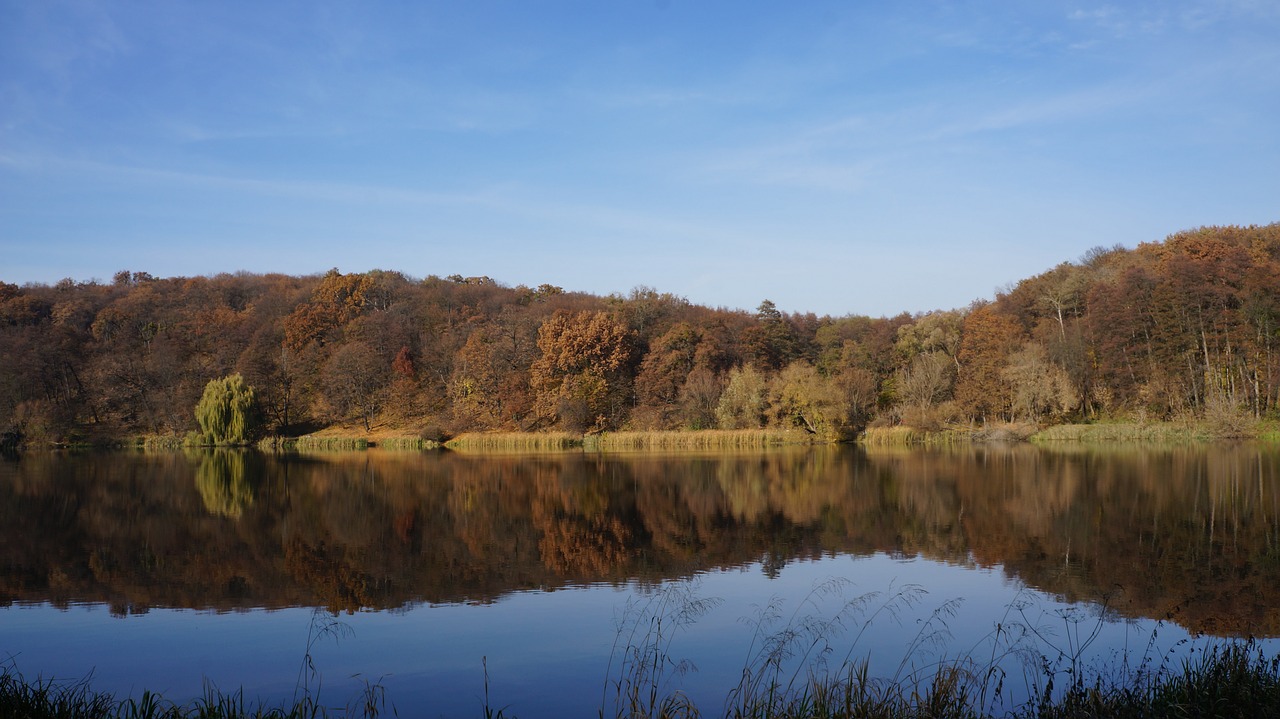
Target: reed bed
1124, 432
703, 439
902, 436
515, 442
628, 441
163, 442
313, 444
344, 444
406, 443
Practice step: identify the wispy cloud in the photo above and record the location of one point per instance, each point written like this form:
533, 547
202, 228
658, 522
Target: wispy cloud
849, 154
64, 38
1121, 22
656, 97
1050, 109
1108, 18
318, 191
511, 199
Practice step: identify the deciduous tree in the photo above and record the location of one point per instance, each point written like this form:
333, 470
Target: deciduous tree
354, 380
227, 412
989, 338
581, 379
745, 400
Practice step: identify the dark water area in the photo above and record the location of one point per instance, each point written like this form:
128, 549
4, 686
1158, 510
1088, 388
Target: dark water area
417, 570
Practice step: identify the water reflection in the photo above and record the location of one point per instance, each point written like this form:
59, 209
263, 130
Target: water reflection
220, 477
1188, 533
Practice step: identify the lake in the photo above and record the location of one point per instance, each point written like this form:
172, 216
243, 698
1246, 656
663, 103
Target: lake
442, 576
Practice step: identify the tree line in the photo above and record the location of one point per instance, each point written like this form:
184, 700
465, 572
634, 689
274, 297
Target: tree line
1187, 327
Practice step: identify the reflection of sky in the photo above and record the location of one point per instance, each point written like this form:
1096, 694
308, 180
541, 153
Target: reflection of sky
546, 651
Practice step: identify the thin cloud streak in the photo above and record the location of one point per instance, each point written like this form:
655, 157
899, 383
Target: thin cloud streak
507, 200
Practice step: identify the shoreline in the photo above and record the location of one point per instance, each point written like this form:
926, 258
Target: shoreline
406, 439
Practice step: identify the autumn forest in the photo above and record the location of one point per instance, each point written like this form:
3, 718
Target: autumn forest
1187, 328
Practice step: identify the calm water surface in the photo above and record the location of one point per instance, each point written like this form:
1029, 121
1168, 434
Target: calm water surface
416, 571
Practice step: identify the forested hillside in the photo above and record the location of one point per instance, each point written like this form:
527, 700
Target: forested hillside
1188, 327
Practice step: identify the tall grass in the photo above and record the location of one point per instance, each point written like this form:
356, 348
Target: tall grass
1124, 432
644, 682
805, 663
628, 441
51, 699
703, 439
406, 443
514, 442
902, 436
47, 698
1231, 680
344, 444
313, 444
163, 442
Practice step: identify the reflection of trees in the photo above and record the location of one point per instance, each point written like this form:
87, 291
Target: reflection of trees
575, 544
220, 477
338, 585
1190, 532
1149, 524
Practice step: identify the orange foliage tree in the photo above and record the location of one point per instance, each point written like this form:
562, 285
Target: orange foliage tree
989, 339
581, 379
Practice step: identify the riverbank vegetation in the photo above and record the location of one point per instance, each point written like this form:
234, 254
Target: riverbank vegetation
1229, 681
1181, 332
710, 439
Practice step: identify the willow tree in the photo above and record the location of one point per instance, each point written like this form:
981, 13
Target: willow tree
227, 412
745, 399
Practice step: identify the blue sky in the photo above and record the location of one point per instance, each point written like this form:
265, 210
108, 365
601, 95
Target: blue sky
835, 157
